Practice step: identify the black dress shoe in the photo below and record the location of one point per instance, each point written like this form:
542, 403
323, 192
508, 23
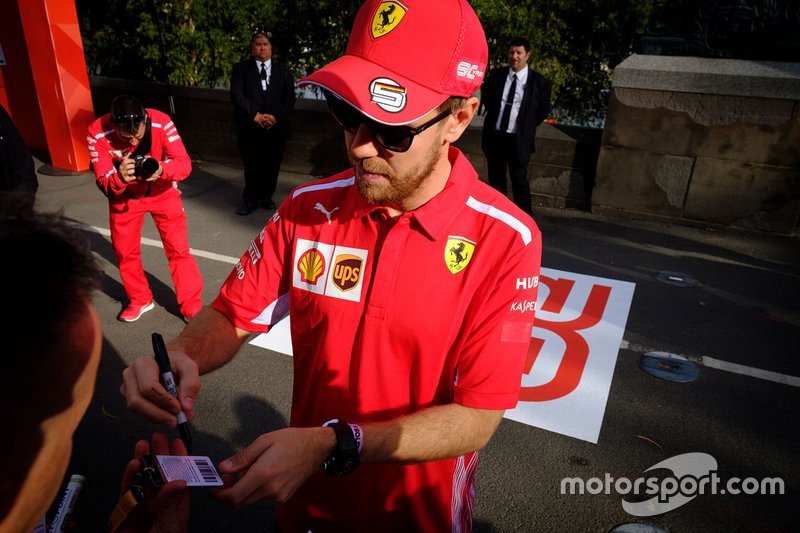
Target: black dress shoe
268, 205
246, 209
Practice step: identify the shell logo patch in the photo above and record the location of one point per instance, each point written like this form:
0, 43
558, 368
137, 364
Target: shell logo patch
329, 270
347, 271
387, 17
458, 253
311, 266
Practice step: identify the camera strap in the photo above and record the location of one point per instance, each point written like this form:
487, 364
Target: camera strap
143, 148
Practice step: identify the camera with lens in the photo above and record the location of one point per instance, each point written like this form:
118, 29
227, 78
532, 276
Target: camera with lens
145, 166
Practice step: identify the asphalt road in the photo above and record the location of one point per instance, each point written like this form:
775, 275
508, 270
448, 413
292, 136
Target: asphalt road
743, 310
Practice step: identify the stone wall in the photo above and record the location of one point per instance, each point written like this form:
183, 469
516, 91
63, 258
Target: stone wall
561, 170
703, 140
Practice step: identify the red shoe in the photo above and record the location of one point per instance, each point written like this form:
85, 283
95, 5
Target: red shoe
133, 312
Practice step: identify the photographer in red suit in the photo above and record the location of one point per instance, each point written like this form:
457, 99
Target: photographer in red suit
138, 159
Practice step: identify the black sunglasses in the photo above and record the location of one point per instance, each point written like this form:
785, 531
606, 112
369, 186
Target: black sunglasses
129, 121
393, 138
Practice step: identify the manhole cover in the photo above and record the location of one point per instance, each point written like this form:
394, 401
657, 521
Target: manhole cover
677, 279
637, 528
669, 367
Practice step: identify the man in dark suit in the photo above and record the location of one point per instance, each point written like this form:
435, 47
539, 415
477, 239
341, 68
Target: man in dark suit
262, 93
517, 100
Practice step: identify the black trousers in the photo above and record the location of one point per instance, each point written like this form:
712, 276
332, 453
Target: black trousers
502, 158
261, 155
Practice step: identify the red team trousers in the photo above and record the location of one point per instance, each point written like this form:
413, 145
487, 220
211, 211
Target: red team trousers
126, 220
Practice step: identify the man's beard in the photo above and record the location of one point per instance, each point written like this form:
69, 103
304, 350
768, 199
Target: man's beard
393, 189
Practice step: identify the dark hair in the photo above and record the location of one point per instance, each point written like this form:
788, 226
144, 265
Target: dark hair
127, 113
49, 274
454, 104
258, 35
520, 41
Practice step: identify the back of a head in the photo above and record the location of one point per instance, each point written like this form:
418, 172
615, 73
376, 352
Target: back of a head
48, 275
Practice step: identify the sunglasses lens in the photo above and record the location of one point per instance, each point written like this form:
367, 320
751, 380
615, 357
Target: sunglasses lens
394, 138
347, 117
128, 123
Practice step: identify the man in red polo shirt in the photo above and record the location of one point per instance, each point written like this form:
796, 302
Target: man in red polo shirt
411, 287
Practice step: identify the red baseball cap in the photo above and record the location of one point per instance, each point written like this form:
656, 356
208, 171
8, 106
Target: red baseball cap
406, 58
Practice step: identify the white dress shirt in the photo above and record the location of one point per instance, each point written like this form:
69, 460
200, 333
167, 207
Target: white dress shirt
519, 90
268, 66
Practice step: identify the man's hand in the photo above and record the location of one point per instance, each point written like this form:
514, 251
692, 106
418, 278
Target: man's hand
275, 465
145, 395
260, 119
127, 170
160, 511
264, 120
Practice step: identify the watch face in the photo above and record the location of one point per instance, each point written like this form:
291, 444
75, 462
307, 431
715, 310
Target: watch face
345, 459
337, 466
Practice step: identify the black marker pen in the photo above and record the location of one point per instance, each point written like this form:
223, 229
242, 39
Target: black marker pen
168, 380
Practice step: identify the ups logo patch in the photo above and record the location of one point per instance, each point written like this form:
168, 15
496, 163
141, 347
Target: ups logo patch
347, 271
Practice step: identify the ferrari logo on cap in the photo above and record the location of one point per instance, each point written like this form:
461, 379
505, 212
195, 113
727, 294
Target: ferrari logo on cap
387, 17
458, 253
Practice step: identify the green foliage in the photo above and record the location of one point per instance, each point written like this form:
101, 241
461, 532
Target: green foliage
574, 43
196, 42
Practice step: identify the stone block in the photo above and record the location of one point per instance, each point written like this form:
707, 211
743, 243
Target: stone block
776, 145
641, 181
649, 129
710, 109
748, 195
763, 79
566, 189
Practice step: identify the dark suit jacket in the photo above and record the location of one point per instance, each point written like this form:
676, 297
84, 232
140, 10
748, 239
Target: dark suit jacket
534, 109
248, 98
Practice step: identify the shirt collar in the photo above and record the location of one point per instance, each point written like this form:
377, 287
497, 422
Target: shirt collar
522, 75
267, 63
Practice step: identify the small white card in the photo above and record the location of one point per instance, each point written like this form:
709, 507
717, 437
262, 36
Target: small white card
196, 470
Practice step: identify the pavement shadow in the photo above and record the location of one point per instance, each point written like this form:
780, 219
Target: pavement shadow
213, 190
163, 294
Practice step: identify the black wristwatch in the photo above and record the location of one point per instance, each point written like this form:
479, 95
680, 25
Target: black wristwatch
345, 458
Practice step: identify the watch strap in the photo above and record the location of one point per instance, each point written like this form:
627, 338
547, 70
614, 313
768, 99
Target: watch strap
344, 459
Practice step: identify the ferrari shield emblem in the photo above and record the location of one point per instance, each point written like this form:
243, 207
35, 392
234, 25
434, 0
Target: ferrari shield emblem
387, 17
458, 253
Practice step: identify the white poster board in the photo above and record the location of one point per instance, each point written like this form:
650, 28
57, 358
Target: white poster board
580, 322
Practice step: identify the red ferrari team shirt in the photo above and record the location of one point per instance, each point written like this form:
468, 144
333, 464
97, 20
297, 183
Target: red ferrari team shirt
106, 148
389, 316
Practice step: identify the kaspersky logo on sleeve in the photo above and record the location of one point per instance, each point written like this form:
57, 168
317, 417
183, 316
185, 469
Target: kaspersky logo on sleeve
330, 270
